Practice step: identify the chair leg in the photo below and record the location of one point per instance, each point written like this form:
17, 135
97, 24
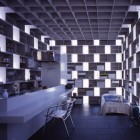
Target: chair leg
72, 121
44, 128
66, 128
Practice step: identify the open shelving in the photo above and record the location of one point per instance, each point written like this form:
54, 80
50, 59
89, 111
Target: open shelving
18, 55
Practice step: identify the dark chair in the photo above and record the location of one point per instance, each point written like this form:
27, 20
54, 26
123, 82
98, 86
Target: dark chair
57, 112
135, 114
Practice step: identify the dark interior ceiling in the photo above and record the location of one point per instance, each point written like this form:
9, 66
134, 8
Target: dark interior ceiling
77, 19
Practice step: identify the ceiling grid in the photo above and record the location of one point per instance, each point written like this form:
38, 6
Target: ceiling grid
57, 27
77, 19
37, 20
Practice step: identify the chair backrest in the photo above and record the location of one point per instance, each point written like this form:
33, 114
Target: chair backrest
51, 110
70, 106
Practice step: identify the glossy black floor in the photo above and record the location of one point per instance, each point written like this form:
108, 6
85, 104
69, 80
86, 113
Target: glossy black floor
90, 125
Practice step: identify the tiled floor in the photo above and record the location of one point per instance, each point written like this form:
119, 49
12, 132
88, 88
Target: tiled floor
90, 125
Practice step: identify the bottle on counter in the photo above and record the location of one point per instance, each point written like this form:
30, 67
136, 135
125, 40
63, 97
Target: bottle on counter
5, 94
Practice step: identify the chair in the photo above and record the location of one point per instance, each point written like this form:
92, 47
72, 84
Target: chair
57, 112
135, 114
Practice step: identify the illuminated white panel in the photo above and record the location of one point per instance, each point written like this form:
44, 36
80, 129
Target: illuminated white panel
63, 81
118, 42
27, 74
2, 13
52, 42
123, 36
75, 90
107, 66
127, 26
107, 49
135, 88
134, 32
48, 47
85, 66
35, 43
63, 49
2, 43
27, 29
96, 74
3, 74
74, 58
97, 42
119, 90
74, 42
118, 74
126, 42
96, 58
130, 98
123, 55
85, 83
130, 50
107, 83
124, 75
16, 61
127, 63
74, 75
118, 57
16, 33
63, 65
39, 56
85, 99
96, 91
85, 49
130, 75
124, 93
43, 37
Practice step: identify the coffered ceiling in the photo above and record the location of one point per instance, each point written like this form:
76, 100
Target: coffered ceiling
77, 19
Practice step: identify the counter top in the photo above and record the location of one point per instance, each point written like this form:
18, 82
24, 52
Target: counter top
20, 109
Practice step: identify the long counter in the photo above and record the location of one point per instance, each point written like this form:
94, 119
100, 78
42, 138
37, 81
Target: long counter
21, 116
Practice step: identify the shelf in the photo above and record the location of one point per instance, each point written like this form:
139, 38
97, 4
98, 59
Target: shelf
18, 55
